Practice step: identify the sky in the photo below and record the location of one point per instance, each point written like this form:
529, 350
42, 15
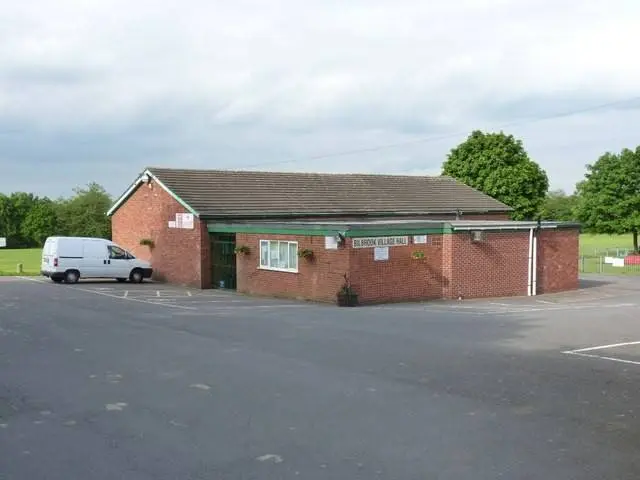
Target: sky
95, 90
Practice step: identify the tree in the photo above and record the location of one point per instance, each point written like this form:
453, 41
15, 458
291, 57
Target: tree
498, 165
610, 195
9, 220
559, 206
40, 222
85, 214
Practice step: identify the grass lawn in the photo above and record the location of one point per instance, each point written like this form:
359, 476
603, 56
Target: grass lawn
28, 257
591, 244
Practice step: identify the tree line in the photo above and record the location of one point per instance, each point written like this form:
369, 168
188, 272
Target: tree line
26, 220
606, 200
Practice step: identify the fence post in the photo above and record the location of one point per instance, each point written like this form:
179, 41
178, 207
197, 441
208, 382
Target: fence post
601, 266
19, 269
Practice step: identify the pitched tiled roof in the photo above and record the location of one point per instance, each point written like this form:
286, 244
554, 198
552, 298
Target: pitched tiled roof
246, 193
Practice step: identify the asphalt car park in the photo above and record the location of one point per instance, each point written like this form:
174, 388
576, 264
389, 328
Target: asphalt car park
106, 380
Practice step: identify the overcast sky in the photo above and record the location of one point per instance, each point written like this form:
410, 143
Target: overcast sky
94, 90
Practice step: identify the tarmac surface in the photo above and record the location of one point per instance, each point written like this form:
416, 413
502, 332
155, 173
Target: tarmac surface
119, 381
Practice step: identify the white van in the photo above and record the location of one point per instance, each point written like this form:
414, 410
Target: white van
70, 258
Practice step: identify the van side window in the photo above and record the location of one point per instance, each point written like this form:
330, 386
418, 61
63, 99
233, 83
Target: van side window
116, 253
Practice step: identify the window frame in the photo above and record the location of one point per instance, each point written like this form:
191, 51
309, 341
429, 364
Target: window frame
266, 265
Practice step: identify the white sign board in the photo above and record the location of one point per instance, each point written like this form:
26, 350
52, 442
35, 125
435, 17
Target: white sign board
184, 220
380, 254
3, 242
330, 243
372, 242
419, 239
618, 262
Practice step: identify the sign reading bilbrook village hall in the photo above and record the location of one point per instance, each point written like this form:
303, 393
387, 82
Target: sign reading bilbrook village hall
373, 242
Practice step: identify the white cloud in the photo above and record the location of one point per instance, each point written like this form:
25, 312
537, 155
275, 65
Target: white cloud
101, 86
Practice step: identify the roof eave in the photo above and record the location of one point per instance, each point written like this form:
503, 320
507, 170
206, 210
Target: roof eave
144, 177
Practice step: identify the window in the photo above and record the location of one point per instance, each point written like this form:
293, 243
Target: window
116, 253
279, 255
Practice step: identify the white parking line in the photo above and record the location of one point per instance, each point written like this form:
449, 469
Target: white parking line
613, 359
580, 352
602, 347
130, 299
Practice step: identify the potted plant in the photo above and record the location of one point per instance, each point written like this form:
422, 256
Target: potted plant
305, 253
242, 249
417, 255
347, 296
147, 242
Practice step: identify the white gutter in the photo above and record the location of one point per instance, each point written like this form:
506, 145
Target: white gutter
534, 273
466, 228
530, 264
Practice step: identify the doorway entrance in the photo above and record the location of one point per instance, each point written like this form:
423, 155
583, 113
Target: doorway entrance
223, 258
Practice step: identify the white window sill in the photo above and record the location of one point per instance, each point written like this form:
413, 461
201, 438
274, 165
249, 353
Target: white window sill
283, 270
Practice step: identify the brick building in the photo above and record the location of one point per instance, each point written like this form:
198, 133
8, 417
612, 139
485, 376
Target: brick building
298, 235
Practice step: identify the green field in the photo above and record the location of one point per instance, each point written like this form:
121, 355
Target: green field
596, 244
10, 258
593, 249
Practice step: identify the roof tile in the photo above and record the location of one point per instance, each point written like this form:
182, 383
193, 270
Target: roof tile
224, 193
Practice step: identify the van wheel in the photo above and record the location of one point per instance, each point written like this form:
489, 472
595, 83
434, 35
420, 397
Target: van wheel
71, 276
136, 276
121, 280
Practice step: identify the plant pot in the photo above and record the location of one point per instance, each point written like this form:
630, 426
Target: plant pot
347, 299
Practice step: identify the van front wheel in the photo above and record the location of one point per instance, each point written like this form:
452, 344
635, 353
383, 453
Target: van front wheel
136, 276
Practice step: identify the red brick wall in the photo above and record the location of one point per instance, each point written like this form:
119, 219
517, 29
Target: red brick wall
319, 279
453, 266
558, 256
401, 277
496, 267
179, 256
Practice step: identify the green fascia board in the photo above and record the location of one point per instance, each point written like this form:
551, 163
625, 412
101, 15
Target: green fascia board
359, 231
272, 229
394, 231
324, 230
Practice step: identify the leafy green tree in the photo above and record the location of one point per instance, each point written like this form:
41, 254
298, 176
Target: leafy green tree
9, 220
40, 222
85, 214
498, 165
559, 206
610, 195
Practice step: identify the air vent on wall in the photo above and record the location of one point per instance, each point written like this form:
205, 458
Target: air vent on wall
478, 236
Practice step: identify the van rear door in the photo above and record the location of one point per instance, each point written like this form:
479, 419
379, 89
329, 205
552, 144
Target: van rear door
48, 251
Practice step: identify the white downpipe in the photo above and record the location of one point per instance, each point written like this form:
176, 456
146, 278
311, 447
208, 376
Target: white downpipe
530, 264
534, 273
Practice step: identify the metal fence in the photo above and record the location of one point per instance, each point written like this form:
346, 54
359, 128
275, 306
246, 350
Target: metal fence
611, 264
